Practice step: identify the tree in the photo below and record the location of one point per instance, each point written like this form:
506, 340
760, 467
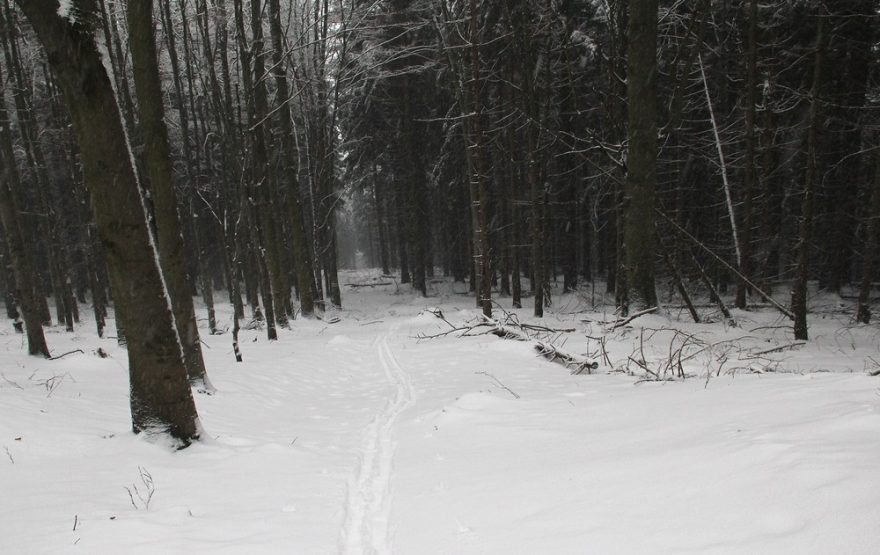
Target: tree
751, 173
641, 160
477, 157
802, 271
26, 283
289, 172
161, 399
863, 310
169, 236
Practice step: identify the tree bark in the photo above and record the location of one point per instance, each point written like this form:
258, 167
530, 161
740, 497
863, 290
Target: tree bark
169, 235
802, 271
161, 399
302, 257
751, 173
23, 268
863, 312
478, 180
642, 155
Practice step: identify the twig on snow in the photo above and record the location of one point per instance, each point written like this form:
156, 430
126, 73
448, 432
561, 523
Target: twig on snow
501, 385
145, 496
67, 353
10, 382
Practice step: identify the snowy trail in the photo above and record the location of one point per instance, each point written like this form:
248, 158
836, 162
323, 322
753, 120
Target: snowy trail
368, 507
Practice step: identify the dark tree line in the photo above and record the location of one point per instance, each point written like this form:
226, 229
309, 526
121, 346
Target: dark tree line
157, 150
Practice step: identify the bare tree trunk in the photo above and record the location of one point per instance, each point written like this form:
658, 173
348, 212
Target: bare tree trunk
254, 194
515, 232
265, 208
751, 173
161, 399
478, 183
413, 183
722, 163
642, 155
117, 61
45, 199
802, 271
197, 225
400, 228
169, 235
381, 223
301, 253
863, 313
23, 268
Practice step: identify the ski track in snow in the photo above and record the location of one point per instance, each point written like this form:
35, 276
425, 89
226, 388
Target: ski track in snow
368, 507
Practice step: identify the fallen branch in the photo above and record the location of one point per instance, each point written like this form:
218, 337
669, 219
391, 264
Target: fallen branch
577, 364
517, 331
464, 330
683, 232
355, 285
601, 341
679, 282
65, 354
641, 364
777, 349
632, 317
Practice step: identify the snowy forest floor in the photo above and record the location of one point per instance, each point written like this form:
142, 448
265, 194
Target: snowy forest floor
359, 437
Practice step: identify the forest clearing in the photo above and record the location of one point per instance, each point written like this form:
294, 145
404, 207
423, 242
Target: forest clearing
360, 437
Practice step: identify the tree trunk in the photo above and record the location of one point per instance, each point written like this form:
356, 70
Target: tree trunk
24, 271
412, 179
289, 171
863, 313
641, 175
161, 399
478, 178
265, 208
751, 173
400, 228
802, 271
381, 211
169, 235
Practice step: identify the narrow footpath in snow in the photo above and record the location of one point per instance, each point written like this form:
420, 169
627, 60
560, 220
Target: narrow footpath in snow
368, 507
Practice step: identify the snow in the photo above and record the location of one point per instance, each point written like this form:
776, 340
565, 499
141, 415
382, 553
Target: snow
356, 437
67, 10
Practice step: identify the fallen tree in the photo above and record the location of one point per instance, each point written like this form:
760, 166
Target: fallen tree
512, 328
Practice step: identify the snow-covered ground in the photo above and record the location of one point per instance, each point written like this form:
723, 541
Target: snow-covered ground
357, 437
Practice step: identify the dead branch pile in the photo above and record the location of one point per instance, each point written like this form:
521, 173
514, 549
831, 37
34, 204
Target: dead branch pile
512, 328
